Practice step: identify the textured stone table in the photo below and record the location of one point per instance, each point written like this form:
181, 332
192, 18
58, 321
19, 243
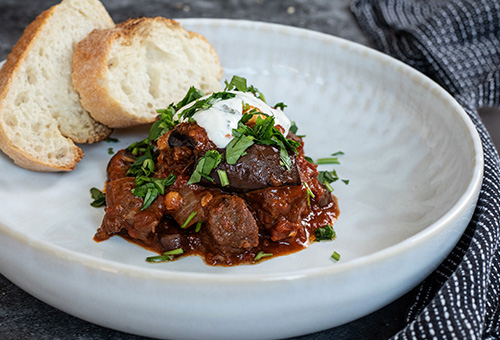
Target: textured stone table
23, 316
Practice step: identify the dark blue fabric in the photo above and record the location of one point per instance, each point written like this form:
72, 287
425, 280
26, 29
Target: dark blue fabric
456, 43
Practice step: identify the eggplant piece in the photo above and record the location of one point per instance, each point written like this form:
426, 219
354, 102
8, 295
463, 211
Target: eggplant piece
260, 168
177, 138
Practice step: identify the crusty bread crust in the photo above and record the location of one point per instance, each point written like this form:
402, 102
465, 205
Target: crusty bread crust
36, 139
95, 58
90, 54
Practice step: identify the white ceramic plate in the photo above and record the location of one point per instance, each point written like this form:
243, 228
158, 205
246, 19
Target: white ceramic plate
412, 156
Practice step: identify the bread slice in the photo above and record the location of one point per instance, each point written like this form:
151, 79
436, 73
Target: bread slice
40, 113
125, 73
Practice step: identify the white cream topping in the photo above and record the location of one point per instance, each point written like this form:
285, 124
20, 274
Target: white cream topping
223, 116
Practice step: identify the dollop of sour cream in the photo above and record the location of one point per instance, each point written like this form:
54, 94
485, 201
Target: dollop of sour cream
223, 116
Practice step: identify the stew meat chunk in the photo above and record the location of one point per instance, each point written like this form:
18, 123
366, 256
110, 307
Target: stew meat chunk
264, 208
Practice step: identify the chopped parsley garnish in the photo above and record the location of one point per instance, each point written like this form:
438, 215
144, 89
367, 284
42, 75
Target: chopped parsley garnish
198, 225
149, 188
112, 140
310, 194
223, 178
111, 151
164, 123
144, 165
192, 95
309, 159
167, 120
281, 106
205, 166
236, 83
329, 160
189, 219
98, 196
236, 148
240, 84
326, 233
328, 177
138, 148
284, 156
262, 132
260, 255
204, 104
166, 256
335, 256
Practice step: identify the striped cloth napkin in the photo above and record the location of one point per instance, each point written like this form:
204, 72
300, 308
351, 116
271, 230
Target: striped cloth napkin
457, 44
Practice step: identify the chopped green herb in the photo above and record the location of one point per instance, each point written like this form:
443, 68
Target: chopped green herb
294, 128
261, 255
110, 151
166, 256
163, 124
309, 159
198, 225
167, 120
310, 194
189, 219
223, 178
328, 177
329, 160
149, 188
98, 196
144, 165
328, 186
240, 84
205, 165
280, 106
326, 233
204, 104
284, 156
335, 256
112, 140
141, 147
236, 148
192, 95
262, 132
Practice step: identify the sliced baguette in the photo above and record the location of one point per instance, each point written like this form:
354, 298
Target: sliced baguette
125, 73
40, 113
